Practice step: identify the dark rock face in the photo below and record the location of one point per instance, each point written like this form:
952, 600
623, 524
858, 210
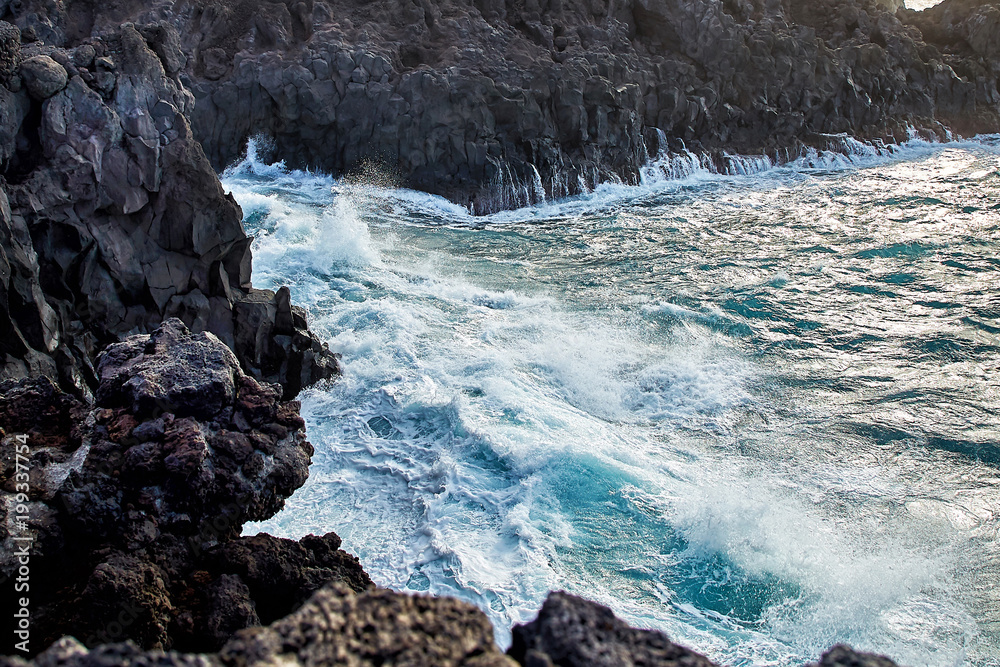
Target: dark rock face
498, 103
10, 51
573, 632
136, 504
112, 219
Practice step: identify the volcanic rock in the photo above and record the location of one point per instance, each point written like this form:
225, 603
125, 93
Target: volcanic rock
335, 627
112, 220
575, 632
499, 103
136, 503
43, 77
842, 655
10, 51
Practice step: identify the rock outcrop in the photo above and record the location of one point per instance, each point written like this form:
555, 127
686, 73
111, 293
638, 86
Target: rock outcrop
340, 627
112, 220
572, 631
136, 504
337, 626
496, 103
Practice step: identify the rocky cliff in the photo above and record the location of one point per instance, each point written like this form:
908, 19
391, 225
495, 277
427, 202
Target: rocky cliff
112, 220
495, 103
155, 384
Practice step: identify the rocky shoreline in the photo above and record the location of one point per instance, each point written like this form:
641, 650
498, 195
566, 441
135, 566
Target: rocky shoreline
154, 387
134, 515
496, 103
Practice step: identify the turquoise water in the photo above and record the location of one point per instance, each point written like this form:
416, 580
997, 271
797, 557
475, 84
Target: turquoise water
757, 412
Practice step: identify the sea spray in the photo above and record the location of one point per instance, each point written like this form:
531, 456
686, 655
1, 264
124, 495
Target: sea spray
709, 403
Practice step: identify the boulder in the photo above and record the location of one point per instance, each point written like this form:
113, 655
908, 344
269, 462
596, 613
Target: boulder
576, 632
43, 77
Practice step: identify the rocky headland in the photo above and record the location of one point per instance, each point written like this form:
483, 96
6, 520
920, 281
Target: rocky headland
155, 385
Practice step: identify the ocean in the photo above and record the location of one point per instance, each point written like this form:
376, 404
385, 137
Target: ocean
755, 410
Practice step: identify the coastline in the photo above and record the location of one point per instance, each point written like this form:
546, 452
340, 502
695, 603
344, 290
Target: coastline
114, 222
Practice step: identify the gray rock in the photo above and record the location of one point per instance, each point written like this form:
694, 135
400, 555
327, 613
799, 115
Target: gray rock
10, 51
130, 223
981, 31
171, 370
339, 627
43, 77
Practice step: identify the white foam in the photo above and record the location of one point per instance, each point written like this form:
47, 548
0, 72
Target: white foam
492, 442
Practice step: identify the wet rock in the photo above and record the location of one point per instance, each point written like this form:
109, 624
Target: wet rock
277, 341
575, 632
507, 104
43, 77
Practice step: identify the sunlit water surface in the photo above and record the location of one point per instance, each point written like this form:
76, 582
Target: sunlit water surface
756, 412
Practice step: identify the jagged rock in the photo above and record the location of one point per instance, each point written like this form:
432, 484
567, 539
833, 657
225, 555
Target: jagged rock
574, 632
136, 503
190, 391
282, 574
43, 77
981, 30
842, 655
274, 336
502, 103
339, 627
335, 627
129, 224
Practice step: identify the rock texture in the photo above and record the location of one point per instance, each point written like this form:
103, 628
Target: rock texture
571, 631
136, 504
496, 103
335, 627
340, 627
112, 220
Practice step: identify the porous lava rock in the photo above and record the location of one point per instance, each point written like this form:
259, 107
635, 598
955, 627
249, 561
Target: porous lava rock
572, 632
337, 626
135, 504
